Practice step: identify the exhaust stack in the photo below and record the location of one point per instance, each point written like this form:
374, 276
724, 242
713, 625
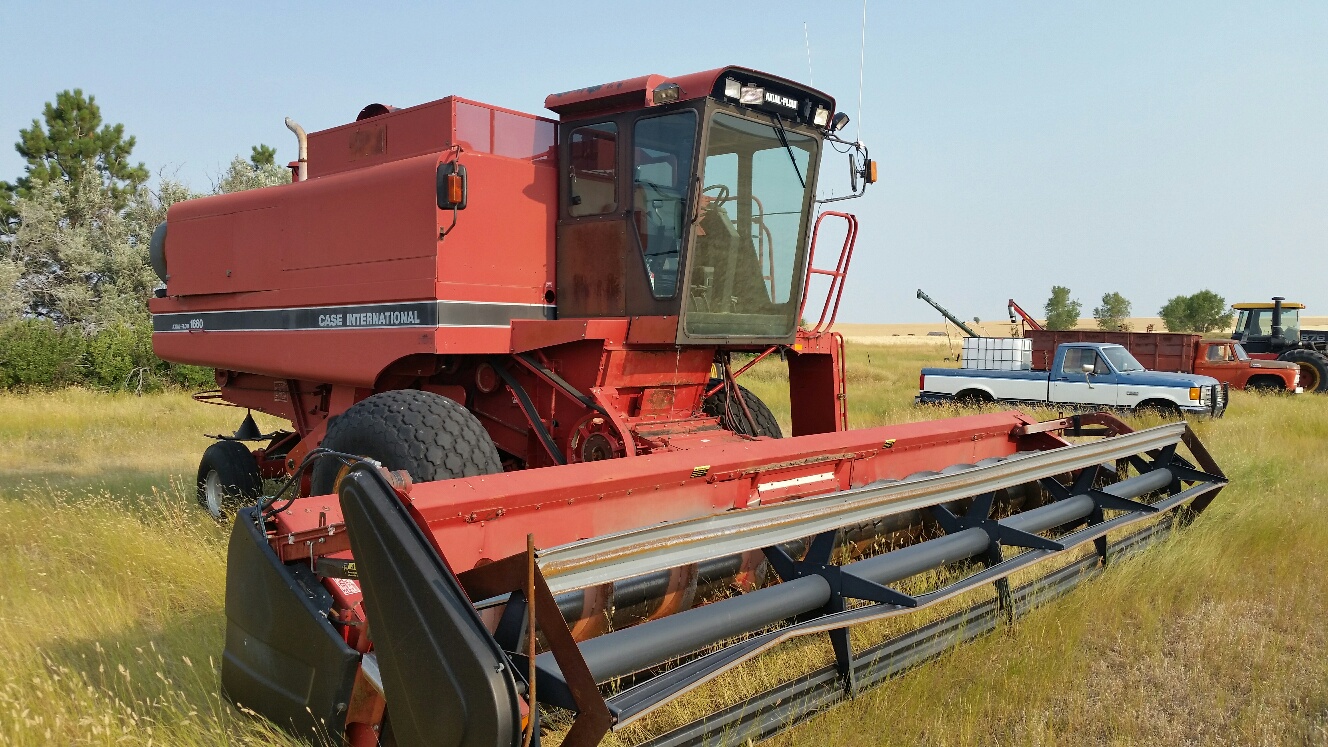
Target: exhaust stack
302, 171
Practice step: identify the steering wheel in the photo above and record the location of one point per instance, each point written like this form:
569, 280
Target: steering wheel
723, 195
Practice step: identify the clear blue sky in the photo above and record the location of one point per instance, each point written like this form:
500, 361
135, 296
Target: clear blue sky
1141, 147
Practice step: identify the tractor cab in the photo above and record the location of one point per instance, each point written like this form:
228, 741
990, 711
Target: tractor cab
1268, 328
690, 198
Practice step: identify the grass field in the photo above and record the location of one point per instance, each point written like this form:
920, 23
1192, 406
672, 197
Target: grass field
111, 599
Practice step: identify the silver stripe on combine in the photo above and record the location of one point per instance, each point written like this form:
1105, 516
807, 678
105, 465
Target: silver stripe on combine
354, 316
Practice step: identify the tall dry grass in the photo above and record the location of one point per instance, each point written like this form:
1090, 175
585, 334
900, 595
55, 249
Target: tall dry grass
111, 600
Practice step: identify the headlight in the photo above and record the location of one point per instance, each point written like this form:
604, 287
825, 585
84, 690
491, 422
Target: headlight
822, 117
1196, 392
752, 95
732, 88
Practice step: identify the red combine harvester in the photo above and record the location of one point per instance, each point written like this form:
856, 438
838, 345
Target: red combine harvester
492, 333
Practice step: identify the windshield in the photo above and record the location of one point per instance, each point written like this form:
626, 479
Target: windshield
1240, 352
1121, 359
746, 269
1263, 323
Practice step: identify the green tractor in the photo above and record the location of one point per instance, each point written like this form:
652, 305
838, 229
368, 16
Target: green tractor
1271, 331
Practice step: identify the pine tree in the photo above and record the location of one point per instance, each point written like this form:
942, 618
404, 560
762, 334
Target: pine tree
69, 141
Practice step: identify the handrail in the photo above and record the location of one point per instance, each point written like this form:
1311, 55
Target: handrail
837, 275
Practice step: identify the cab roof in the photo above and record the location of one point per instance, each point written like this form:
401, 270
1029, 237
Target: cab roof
1264, 305
637, 93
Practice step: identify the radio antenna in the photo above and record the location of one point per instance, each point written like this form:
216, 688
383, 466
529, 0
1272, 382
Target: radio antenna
806, 40
862, 61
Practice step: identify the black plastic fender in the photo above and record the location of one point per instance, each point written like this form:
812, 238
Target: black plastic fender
283, 659
446, 681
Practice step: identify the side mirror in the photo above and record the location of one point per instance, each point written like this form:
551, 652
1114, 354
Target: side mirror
1088, 369
452, 186
852, 173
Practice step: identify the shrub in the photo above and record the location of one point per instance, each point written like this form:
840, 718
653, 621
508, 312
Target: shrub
34, 353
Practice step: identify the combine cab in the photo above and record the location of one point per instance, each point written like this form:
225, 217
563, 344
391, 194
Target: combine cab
521, 475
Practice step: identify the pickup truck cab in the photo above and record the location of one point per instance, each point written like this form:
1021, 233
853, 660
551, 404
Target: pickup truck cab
1089, 375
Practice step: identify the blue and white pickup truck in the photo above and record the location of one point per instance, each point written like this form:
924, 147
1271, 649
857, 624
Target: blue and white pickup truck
1083, 375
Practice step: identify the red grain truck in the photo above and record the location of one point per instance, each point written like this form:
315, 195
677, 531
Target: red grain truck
1224, 360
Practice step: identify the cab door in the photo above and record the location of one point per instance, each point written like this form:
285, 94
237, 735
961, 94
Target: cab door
1219, 361
1069, 384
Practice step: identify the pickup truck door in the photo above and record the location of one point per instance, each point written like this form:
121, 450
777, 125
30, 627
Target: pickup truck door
1219, 361
1068, 385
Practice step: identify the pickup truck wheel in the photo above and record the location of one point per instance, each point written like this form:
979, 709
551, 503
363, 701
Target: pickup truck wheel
973, 398
1313, 368
428, 435
1266, 385
732, 418
1159, 407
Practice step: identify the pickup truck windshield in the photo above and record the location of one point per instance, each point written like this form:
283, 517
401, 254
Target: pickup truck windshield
1240, 352
1121, 359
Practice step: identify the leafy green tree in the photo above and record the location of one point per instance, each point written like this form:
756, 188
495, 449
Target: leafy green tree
263, 155
1062, 311
242, 175
89, 272
1114, 312
69, 142
1204, 311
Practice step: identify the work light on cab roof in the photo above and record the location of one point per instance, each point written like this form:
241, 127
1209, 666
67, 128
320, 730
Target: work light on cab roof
508, 350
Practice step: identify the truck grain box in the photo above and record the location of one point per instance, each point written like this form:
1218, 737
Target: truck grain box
1177, 352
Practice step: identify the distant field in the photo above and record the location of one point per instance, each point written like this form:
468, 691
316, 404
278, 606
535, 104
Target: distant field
111, 601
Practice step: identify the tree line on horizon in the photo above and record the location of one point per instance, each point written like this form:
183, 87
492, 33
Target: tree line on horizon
1202, 312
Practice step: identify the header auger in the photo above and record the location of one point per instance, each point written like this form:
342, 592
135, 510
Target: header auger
521, 473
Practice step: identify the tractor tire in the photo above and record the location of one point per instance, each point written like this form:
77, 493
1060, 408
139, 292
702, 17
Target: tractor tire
428, 435
766, 424
228, 477
1313, 369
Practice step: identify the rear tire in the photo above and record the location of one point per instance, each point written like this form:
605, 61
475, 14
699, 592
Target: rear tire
1313, 368
735, 420
973, 398
428, 435
228, 477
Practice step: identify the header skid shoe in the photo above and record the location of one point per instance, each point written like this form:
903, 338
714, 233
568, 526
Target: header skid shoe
453, 648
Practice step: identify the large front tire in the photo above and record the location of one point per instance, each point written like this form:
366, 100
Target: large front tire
731, 416
428, 435
1313, 368
228, 477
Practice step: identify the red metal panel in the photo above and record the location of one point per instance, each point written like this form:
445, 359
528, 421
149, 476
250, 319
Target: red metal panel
534, 334
388, 137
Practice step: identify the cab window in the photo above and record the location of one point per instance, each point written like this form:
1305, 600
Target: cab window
1076, 358
662, 150
592, 171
